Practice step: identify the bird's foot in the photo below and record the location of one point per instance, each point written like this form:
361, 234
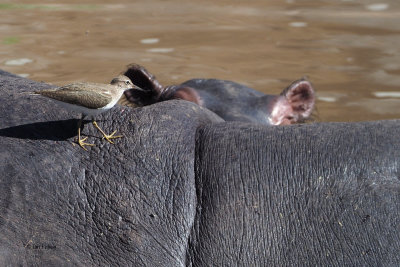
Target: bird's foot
82, 144
108, 137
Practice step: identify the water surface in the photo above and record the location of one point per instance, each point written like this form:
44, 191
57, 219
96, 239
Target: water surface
349, 50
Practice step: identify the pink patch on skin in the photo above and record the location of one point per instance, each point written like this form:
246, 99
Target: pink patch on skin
280, 111
188, 94
294, 104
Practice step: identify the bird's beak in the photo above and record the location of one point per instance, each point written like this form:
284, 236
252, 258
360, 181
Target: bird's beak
134, 87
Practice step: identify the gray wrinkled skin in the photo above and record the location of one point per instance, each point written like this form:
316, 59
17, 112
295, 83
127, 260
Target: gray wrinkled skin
184, 188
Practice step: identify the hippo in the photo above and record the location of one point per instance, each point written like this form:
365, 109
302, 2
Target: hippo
230, 100
183, 187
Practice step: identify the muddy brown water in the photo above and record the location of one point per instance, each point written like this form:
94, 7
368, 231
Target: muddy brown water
349, 50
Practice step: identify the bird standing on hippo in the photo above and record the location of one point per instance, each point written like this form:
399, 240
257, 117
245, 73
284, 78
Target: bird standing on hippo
229, 100
90, 99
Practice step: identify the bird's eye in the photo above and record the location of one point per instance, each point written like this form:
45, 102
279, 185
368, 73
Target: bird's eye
127, 82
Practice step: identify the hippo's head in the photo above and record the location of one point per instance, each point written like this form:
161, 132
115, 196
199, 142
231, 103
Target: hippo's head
230, 100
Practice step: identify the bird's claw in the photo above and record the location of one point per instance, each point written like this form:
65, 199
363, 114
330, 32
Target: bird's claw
108, 137
82, 144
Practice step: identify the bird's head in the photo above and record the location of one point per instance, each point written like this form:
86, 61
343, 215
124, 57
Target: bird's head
124, 83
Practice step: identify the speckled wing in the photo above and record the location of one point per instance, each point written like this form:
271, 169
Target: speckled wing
81, 95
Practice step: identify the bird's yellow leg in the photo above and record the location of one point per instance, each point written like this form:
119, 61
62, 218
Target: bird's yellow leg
80, 141
108, 137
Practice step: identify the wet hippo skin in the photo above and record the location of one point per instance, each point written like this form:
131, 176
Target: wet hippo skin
229, 100
185, 188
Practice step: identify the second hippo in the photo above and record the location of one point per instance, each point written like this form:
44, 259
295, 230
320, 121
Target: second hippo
230, 100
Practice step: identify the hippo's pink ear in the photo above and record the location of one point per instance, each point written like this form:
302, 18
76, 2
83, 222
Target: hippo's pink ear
294, 104
181, 92
142, 78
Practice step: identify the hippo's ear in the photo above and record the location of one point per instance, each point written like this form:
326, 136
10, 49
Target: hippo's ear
181, 92
142, 78
294, 104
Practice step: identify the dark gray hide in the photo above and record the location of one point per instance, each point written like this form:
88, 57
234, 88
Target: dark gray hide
185, 188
